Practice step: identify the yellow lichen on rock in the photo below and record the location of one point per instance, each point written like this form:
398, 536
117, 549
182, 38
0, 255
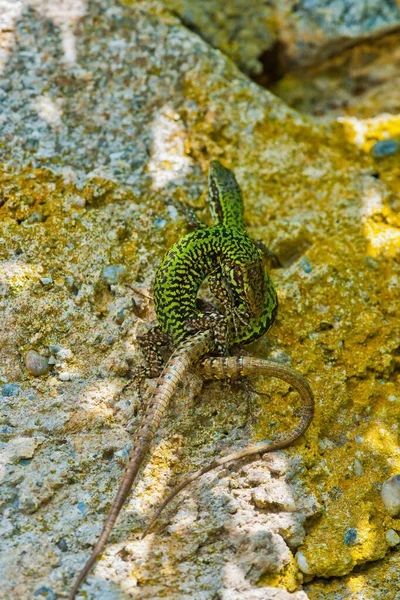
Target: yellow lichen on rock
144, 112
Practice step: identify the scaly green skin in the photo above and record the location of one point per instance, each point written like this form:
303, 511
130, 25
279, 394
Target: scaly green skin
225, 197
217, 251
239, 281
233, 261
226, 205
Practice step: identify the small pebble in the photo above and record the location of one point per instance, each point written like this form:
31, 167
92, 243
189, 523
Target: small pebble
392, 538
303, 564
305, 265
64, 376
63, 545
46, 281
358, 468
113, 274
123, 454
160, 223
385, 148
120, 316
390, 495
36, 364
82, 507
34, 218
45, 592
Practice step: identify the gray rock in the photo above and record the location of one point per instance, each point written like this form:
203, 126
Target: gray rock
313, 30
46, 281
36, 364
392, 538
279, 34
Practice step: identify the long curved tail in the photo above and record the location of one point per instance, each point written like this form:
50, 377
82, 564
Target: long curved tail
240, 366
180, 361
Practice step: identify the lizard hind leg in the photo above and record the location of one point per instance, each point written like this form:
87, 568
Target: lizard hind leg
150, 343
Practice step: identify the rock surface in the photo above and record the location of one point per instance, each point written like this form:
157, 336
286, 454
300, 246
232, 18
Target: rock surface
110, 115
363, 82
278, 35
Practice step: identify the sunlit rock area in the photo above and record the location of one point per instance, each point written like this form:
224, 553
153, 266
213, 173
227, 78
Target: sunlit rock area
110, 114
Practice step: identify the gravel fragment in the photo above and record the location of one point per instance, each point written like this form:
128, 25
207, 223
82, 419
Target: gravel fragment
392, 538
390, 495
385, 148
303, 564
36, 364
113, 274
45, 281
350, 539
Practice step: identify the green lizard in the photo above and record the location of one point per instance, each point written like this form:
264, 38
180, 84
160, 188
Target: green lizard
238, 280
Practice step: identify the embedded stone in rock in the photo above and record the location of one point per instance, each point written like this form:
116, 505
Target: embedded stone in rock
36, 364
9, 389
392, 538
261, 551
385, 148
391, 495
113, 274
277, 496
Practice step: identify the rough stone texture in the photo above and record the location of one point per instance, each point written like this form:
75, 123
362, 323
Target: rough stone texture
281, 34
377, 581
362, 82
242, 29
109, 118
313, 30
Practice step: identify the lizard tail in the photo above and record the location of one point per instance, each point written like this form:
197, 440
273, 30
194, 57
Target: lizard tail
180, 361
240, 366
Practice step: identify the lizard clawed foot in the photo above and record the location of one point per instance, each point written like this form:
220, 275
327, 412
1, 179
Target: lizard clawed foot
137, 377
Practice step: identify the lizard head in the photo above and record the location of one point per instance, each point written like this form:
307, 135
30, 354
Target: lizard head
247, 286
225, 197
